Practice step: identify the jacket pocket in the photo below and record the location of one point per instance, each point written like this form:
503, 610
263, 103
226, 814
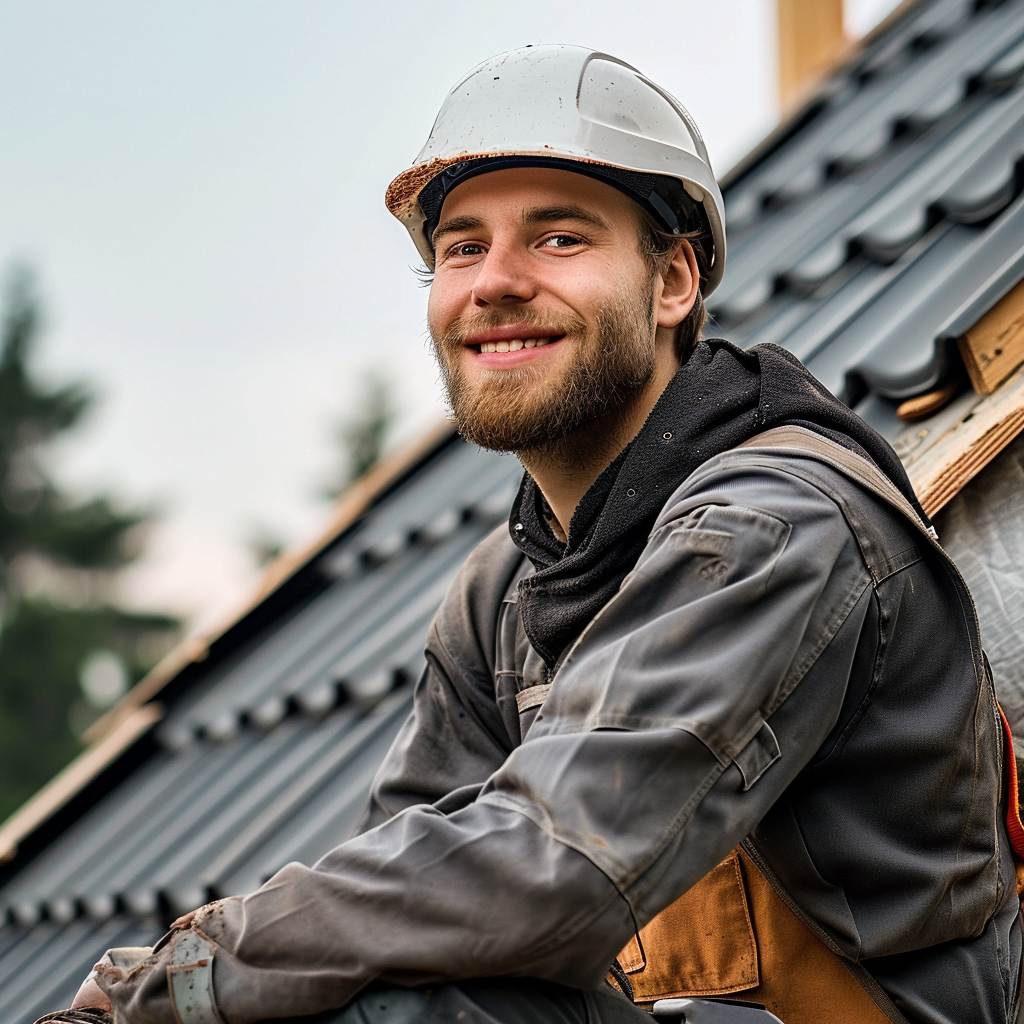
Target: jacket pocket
701, 945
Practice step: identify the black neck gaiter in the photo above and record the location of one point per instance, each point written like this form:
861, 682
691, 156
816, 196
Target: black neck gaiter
721, 397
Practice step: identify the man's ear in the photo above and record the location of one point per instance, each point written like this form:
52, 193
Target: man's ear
681, 279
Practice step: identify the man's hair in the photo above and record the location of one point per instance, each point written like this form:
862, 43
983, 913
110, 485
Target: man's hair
658, 246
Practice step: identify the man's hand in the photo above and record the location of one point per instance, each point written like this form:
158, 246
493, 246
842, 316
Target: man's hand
90, 994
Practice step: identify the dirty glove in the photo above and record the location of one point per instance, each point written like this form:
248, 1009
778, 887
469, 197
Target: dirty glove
168, 984
91, 1005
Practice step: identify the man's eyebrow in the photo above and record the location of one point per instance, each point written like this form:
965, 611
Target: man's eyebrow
544, 214
538, 215
463, 223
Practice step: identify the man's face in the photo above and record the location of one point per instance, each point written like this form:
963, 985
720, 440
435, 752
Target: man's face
541, 307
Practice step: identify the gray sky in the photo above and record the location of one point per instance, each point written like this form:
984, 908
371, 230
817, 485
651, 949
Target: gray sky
199, 187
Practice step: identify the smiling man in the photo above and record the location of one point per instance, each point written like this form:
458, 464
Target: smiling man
709, 718
555, 310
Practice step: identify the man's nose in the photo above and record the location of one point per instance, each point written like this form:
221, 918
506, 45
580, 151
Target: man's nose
503, 277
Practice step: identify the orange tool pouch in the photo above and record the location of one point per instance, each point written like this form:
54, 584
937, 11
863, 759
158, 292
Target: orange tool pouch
731, 934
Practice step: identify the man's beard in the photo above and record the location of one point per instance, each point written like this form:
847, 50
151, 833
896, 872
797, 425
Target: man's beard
518, 410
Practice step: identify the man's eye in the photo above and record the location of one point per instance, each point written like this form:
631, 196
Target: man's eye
563, 241
466, 249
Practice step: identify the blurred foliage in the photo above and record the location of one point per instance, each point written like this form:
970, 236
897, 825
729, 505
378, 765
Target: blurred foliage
265, 545
364, 434
59, 561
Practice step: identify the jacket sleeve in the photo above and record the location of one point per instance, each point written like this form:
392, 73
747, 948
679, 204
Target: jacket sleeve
685, 709
455, 738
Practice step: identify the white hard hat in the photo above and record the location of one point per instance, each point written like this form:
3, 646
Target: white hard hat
573, 107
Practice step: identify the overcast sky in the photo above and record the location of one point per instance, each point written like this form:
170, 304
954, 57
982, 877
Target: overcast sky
198, 186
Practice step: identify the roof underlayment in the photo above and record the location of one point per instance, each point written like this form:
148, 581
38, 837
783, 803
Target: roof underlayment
867, 236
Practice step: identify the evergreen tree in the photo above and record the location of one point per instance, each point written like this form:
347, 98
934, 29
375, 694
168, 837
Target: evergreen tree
364, 434
63, 639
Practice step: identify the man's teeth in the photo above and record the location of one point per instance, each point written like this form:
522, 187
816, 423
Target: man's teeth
514, 345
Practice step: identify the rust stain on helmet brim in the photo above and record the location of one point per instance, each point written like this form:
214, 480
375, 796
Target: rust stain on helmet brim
402, 196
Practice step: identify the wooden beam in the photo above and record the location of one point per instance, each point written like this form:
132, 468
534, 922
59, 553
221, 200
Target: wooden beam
994, 347
811, 40
958, 451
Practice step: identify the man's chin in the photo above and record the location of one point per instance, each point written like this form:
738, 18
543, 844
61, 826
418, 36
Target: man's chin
510, 383
511, 412
502, 435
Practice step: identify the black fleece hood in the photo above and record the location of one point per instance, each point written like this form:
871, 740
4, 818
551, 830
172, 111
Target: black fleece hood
722, 396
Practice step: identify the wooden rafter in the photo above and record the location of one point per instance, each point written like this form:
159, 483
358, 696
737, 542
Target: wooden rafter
811, 41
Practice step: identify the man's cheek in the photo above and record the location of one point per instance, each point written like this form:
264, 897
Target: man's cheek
442, 309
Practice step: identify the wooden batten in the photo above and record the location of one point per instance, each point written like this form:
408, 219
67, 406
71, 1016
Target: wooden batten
952, 453
920, 406
994, 347
811, 40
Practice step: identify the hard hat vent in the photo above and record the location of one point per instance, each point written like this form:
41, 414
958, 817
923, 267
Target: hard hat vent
615, 96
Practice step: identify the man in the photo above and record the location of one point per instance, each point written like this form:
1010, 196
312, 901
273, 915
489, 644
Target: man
715, 683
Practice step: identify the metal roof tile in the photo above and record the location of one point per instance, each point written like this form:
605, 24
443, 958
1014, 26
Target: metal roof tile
985, 295
920, 27
992, 177
839, 363
904, 213
1005, 72
60, 958
862, 120
906, 355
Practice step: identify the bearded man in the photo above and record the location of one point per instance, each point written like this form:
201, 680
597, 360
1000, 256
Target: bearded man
709, 719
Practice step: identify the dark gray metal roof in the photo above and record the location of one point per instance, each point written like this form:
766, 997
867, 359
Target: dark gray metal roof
41, 967
268, 756
885, 220
889, 219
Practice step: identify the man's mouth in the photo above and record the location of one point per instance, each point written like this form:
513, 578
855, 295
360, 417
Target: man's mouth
513, 344
509, 338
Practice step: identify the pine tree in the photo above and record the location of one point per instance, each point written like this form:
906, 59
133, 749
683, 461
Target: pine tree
364, 434
60, 626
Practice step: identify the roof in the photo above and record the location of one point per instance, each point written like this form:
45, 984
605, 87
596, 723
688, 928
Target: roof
865, 235
265, 755
887, 218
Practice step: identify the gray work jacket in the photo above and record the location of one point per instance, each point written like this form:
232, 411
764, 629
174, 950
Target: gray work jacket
789, 665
